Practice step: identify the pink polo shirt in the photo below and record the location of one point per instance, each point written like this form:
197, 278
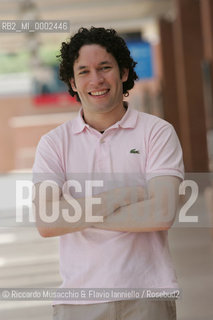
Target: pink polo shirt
95, 258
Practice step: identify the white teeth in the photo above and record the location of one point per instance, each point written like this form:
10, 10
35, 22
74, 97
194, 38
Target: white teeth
98, 93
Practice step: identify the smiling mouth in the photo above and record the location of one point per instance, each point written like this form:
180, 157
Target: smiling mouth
99, 93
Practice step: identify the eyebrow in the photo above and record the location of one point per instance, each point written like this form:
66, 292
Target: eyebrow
104, 62
81, 67
100, 64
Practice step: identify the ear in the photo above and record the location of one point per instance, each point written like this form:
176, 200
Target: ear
125, 74
73, 85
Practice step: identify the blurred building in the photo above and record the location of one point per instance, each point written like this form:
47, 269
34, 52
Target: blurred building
171, 40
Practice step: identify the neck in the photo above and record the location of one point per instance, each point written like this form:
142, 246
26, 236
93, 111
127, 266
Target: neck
102, 121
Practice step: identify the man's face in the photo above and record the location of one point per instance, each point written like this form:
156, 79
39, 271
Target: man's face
97, 80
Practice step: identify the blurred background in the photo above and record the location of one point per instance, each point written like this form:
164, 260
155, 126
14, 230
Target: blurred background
172, 41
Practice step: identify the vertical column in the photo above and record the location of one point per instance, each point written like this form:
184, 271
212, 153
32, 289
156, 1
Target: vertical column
207, 32
188, 57
169, 85
207, 27
6, 141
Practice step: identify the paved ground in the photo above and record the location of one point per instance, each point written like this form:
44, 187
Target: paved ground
27, 260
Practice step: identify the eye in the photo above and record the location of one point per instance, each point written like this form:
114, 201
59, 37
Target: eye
105, 68
83, 72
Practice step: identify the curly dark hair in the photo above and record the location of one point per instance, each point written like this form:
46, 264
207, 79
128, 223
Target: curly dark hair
107, 38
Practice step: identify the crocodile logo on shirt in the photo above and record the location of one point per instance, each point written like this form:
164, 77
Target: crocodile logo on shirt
134, 151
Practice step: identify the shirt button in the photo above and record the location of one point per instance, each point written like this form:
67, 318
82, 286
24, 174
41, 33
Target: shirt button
102, 141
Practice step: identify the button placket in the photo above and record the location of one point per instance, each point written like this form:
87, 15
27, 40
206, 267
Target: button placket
103, 155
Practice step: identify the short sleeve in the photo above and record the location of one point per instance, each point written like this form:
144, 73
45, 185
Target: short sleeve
164, 152
48, 162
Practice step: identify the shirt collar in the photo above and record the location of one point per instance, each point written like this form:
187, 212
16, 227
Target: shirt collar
79, 124
128, 120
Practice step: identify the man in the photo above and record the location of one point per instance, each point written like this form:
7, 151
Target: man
134, 162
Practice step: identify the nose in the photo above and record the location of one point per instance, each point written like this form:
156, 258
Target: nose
96, 78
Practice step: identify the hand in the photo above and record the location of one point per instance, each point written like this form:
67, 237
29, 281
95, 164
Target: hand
133, 194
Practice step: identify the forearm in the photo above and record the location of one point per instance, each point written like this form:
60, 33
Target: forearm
155, 213
69, 215
144, 216
55, 218
77, 214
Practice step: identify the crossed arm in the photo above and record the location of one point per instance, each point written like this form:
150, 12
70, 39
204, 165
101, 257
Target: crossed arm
154, 213
122, 209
